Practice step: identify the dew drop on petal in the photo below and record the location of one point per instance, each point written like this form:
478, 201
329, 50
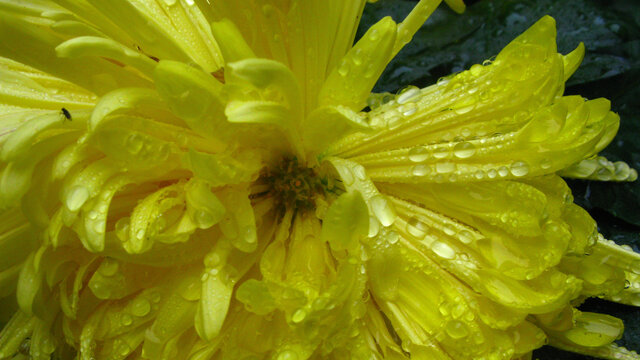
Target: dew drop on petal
140, 307
443, 250
418, 154
382, 210
464, 150
445, 167
109, 267
420, 170
392, 237
407, 94
343, 69
456, 329
416, 228
465, 237
519, 168
299, 315
126, 319
287, 355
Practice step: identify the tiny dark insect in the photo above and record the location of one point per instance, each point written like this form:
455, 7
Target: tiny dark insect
66, 113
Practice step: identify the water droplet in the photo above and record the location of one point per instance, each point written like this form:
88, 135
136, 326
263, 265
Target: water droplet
545, 163
418, 154
299, 315
519, 168
140, 234
126, 319
155, 297
92, 215
212, 260
109, 267
449, 230
99, 226
420, 170
465, 237
374, 34
124, 348
456, 329
203, 219
445, 167
476, 69
407, 94
464, 150
357, 57
77, 196
443, 250
392, 237
343, 69
382, 210
442, 81
409, 109
122, 229
503, 171
416, 228
170, 2
287, 355
140, 307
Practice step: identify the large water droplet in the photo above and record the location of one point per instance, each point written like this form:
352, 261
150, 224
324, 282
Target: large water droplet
420, 170
298, 316
343, 69
109, 267
126, 319
140, 307
287, 355
407, 94
418, 154
465, 237
443, 250
464, 150
445, 167
392, 237
519, 168
416, 228
382, 210
357, 57
456, 329
122, 229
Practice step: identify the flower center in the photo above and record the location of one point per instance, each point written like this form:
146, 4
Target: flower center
295, 185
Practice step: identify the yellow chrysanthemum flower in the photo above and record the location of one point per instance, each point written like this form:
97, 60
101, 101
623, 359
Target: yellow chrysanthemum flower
195, 179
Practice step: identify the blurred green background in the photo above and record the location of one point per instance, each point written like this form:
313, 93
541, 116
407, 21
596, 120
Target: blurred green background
610, 30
